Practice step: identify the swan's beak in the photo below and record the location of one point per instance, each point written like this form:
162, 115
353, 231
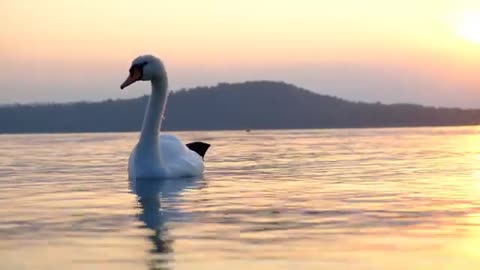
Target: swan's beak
134, 76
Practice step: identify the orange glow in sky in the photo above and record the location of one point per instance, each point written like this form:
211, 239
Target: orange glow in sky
73, 50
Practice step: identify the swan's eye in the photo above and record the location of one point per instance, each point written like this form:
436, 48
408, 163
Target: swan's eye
138, 67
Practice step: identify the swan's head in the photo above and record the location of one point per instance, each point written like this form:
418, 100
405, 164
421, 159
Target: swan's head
145, 68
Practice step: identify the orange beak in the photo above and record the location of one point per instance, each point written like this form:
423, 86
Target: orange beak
134, 76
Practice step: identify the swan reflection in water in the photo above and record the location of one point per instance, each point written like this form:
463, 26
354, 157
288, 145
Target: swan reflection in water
158, 199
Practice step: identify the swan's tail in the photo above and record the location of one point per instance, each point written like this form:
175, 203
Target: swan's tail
198, 147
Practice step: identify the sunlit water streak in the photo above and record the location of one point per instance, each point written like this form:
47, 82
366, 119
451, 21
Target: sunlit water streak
338, 199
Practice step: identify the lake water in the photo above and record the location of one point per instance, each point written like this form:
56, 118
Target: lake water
405, 198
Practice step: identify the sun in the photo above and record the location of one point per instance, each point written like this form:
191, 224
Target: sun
468, 26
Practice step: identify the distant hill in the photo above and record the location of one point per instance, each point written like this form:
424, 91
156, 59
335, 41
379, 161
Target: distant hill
249, 105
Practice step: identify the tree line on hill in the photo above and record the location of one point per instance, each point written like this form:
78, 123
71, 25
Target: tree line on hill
248, 105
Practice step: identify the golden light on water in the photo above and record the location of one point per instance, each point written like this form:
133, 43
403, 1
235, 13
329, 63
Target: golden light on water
404, 198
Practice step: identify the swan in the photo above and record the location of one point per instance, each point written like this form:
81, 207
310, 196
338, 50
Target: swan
160, 155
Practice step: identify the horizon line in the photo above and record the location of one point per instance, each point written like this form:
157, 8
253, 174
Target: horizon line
218, 84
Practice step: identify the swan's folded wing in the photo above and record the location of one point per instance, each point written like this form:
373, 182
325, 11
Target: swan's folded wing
199, 147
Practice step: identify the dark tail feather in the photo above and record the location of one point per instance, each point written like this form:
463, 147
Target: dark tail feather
198, 147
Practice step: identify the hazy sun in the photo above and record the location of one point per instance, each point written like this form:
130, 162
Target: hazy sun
469, 26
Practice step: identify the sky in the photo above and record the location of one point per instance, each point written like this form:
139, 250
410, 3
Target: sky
410, 51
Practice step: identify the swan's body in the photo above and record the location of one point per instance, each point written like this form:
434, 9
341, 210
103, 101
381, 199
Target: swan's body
168, 159
155, 155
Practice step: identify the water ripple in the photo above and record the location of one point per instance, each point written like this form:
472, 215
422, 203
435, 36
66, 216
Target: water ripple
331, 199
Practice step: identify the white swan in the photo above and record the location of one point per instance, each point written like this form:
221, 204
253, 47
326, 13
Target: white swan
155, 155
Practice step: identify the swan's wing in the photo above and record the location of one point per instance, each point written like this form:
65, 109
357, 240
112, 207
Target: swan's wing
198, 147
171, 146
178, 159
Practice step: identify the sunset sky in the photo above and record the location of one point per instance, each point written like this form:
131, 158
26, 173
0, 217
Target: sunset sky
418, 51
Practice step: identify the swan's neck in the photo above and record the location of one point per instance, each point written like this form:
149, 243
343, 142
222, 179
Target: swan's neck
154, 113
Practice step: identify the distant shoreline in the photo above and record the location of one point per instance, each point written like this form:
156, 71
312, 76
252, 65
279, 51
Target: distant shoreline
239, 130
258, 105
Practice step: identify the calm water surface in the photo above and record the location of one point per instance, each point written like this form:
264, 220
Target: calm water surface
306, 199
